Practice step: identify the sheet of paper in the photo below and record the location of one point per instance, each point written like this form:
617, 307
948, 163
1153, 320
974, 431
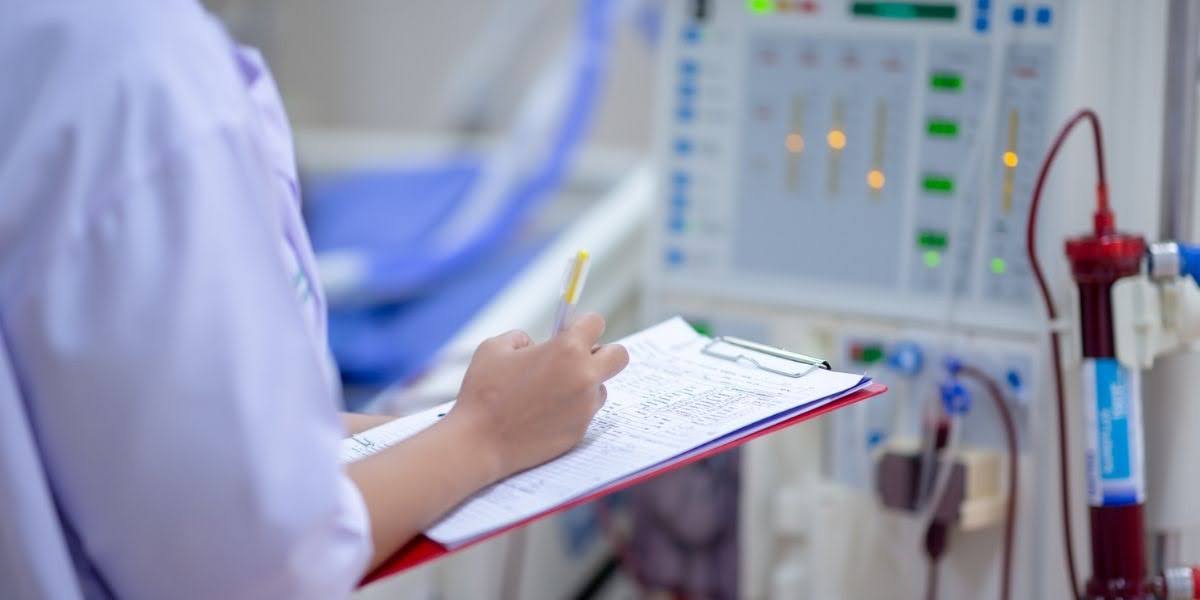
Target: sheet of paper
671, 401
375, 439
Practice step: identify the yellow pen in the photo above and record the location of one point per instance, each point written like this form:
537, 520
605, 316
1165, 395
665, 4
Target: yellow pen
572, 287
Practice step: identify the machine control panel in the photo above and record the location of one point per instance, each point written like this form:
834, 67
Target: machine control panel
816, 152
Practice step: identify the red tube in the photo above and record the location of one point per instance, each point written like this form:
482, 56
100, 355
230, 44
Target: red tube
1118, 543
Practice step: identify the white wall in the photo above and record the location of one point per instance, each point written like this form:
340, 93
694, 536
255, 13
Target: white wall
383, 64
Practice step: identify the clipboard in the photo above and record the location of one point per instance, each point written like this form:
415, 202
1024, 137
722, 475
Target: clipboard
422, 550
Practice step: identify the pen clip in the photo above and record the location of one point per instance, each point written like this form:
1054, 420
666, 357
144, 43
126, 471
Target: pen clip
572, 286
574, 277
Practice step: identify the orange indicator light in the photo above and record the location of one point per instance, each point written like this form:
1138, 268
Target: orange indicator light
795, 143
875, 179
836, 139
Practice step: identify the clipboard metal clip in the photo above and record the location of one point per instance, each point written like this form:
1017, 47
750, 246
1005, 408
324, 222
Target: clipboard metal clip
769, 358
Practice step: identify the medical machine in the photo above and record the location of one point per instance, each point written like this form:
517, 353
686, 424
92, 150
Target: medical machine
855, 178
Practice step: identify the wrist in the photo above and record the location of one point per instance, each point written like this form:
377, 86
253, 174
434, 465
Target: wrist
473, 438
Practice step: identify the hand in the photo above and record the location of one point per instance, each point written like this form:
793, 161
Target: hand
528, 403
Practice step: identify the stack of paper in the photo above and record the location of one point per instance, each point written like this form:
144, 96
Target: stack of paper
671, 402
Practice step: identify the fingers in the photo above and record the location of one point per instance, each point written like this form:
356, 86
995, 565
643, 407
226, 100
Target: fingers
513, 340
610, 360
601, 398
595, 400
585, 330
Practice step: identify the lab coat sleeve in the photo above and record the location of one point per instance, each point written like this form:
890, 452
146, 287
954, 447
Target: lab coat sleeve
179, 398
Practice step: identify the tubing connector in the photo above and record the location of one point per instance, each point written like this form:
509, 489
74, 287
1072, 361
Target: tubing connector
1168, 260
955, 398
1179, 583
1104, 222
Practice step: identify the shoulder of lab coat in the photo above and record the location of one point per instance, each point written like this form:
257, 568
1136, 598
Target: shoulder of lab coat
178, 398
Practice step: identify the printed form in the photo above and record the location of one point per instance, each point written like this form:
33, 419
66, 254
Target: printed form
671, 401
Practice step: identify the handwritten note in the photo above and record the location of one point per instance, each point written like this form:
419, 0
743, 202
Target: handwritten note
671, 401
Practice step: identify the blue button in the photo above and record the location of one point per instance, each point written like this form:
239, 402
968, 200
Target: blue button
677, 224
687, 90
688, 67
874, 437
674, 256
907, 358
679, 201
680, 178
683, 147
981, 23
691, 34
1019, 14
984, 4
1014, 380
955, 398
684, 113
1044, 15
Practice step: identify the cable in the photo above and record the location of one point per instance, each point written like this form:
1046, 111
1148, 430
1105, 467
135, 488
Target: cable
1010, 509
1103, 221
937, 530
931, 581
950, 432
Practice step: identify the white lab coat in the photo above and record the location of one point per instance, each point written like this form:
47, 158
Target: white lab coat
168, 423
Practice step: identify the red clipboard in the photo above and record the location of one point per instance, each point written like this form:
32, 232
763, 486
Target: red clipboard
422, 549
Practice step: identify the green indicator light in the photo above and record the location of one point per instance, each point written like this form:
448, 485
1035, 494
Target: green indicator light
703, 328
938, 184
932, 258
943, 128
999, 266
760, 7
905, 10
946, 81
870, 354
932, 239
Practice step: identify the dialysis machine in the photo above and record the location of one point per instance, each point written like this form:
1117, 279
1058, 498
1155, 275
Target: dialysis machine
853, 177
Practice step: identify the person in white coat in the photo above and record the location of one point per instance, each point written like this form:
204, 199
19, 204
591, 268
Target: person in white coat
168, 415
